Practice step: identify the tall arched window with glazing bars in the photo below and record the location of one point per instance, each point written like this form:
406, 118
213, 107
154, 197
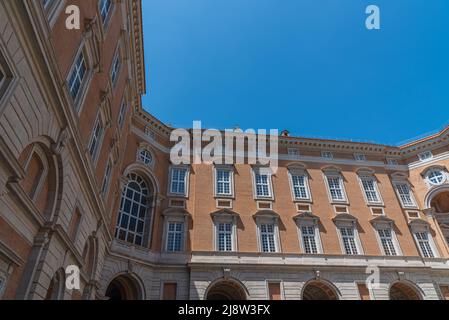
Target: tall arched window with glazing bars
134, 219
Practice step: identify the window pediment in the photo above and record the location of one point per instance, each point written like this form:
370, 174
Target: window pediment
266, 215
382, 221
306, 218
365, 172
176, 212
224, 213
297, 169
419, 225
331, 170
345, 220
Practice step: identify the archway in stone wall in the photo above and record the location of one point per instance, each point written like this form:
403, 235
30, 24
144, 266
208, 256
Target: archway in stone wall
319, 290
226, 290
440, 202
124, 287
403, 291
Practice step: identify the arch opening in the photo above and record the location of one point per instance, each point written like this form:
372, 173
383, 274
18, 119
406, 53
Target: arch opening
226, 290
318, 290
403, 291
441, 202
124, 288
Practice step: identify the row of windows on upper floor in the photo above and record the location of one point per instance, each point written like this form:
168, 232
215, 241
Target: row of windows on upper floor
136, 216
299, 184
225, 234
294, 153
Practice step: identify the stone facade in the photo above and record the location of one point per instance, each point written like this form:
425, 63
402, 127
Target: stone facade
86, 180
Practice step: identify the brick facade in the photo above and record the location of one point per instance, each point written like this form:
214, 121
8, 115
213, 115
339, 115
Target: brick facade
75, 191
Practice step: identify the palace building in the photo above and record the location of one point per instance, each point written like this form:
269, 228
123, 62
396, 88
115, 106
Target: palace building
86, 180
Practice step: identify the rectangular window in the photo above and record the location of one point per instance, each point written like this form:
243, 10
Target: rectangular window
386, 239
95, 140
48, 4
115, 69
309, 240
360, 157
293, 153
268, 237
349, 241
392, 162
274, 291
223, 182
424, 244
405, 194
170, 291
175, 236
300, 189
224, 236
106, 179
263, 188
178, 181
370, 189
327, 155
105, 9
336, 188
77, 75
425, 156
121, 115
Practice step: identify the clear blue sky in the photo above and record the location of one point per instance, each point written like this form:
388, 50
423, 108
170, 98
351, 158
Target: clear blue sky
309, 66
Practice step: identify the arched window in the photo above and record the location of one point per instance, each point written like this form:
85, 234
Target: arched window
39, 182
133, 220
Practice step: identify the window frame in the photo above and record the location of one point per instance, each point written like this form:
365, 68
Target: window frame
335, 174
430, 241
225, 216
148, 218
140, 150
122, 114
394, 241
168, 232
231, 171
53, 10
396, 183
269, 174
299, 172
186, 181
268, 219
317, 236
327, 155
356, 240
114, 74
175, 215
78, 101
360, 157
433, 170
107, 178
94, 157
105, 22
371, 177
425, 156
